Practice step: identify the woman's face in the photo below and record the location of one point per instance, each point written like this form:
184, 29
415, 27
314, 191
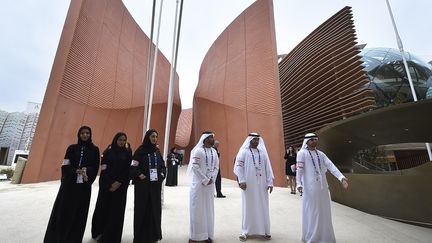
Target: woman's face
121, 141
153, 138
84, 134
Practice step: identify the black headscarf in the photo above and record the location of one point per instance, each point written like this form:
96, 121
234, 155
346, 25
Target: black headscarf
114, 141
89, 140
147, 146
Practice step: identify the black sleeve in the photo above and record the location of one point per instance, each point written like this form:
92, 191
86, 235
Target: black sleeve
93, 165
68, 171
162, 164
286, 156
122, 174
105, 156
135, 170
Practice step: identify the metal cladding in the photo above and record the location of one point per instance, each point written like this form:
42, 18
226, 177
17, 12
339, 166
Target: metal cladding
98, 79
322, 79
184, 128
238, 90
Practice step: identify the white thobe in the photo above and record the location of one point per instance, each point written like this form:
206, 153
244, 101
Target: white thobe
255, 200
317, 223
201, 200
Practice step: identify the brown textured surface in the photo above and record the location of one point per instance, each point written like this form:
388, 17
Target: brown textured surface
322, 79
238, 90
184, 128
98, 79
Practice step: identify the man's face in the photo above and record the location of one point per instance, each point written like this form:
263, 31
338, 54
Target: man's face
254, 142
312, 142
210, 140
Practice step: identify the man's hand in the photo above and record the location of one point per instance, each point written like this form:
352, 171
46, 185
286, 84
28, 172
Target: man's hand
115, 186
142, 176
270, 188
210, 182
300, 189
243, 186
345, 183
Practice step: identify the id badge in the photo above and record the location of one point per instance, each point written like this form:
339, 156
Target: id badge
80, 179
153, 175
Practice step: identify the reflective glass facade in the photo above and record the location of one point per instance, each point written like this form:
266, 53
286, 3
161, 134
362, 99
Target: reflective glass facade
388, 78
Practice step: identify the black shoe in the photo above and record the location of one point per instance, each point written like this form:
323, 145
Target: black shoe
209, 240
221, 196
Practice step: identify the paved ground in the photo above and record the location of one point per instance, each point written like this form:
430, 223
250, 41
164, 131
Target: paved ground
25, 209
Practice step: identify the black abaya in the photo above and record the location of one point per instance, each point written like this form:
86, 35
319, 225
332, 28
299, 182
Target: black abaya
108, 217
148, 208
69, 214
172, 165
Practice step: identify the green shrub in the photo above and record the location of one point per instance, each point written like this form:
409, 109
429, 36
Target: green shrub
9, 172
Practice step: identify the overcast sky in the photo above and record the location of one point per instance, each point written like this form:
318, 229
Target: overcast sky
30, 31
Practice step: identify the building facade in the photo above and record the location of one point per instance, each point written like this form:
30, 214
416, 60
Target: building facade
16, 131
98, 79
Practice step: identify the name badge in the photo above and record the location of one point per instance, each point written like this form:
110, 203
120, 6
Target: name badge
153, 175
80, 179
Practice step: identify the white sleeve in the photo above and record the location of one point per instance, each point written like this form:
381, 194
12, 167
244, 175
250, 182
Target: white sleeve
239, 167
216, 169
269, 174
332, 168
196, 167
301, 160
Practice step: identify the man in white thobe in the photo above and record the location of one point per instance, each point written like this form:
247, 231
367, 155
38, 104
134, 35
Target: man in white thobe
204, 164
255, 177
312, 166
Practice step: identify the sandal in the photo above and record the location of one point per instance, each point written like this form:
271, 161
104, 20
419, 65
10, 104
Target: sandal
243, 237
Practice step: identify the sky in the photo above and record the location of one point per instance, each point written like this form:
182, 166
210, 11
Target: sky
31, 29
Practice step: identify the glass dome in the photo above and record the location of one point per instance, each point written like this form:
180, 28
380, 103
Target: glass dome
388, 78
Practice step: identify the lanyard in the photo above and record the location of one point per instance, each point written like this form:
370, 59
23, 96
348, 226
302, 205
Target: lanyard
81, 156
313, 162
257, 168
211, 169
152, 163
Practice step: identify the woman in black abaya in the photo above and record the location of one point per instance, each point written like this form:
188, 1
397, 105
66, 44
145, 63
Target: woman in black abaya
172, 165
148, 171
79, 169
108, 217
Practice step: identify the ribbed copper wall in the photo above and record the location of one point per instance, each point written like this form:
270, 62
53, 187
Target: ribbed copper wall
184, 128
238, 90
98, 79
322, 79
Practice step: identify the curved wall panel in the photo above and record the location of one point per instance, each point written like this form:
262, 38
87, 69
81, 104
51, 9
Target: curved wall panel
322, 79
238, 90
98, 79
184, 128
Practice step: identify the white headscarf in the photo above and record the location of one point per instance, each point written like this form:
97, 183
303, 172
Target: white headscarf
261, 147
199, 145
308, 137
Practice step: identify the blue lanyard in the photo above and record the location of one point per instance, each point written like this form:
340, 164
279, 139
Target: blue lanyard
81, 156
152, 163
212, 164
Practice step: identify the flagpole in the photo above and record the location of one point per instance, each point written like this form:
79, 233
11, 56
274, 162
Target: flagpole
407, 71
147, 87
154, 68
176, 37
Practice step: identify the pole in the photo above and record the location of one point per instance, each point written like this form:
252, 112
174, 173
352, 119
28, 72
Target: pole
176, 37
154, 68
147, 88
407, 71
